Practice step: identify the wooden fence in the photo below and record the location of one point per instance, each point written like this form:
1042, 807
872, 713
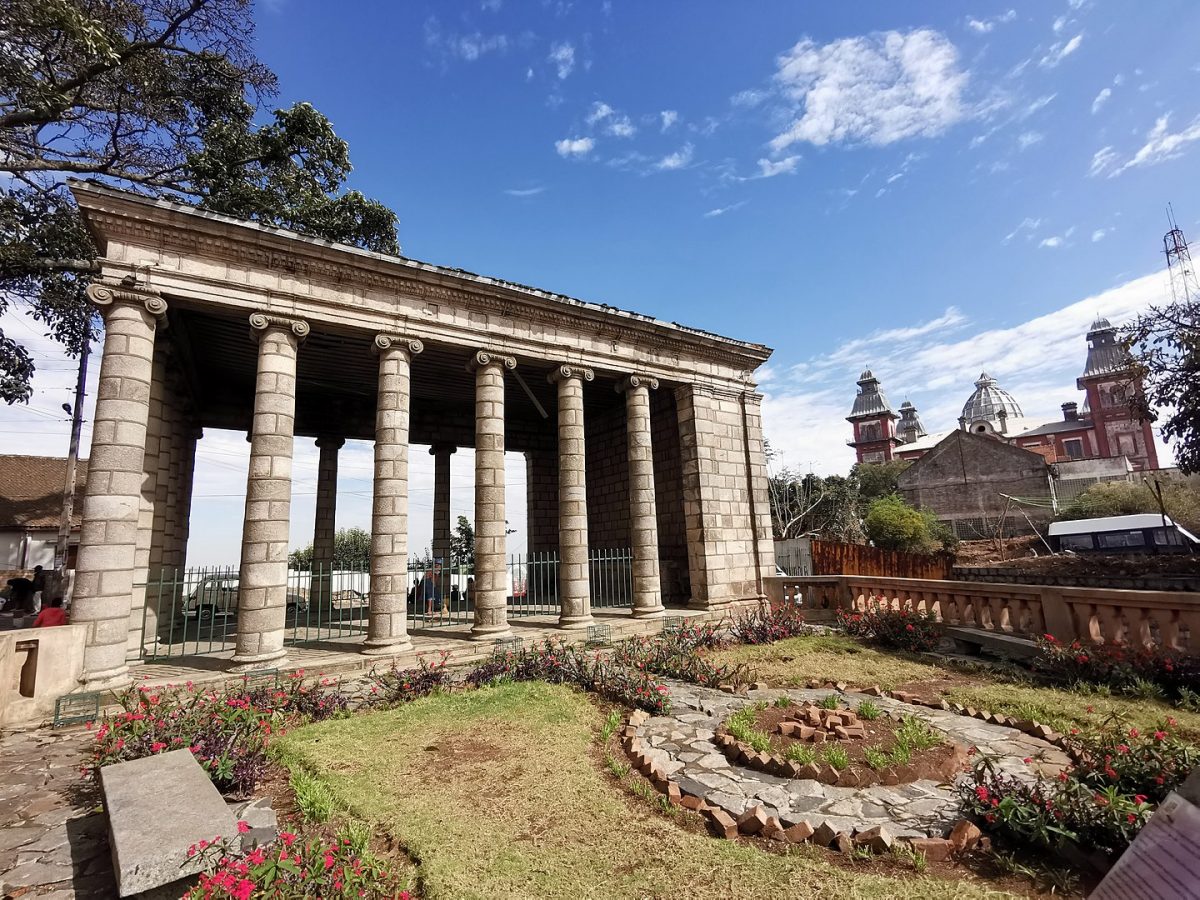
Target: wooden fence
835, 558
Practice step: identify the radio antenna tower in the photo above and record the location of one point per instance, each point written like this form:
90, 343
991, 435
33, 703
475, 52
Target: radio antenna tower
1185, 288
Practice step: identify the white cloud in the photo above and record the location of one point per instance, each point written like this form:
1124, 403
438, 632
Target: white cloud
568, 147
563, 57
875, 90
721, 210
748, 99
1099, 234
668, 117
1028, 139
983, 26
524, 192
599, 112
677, 160
1051, 242
467, 47
808, 398
1028, 224
615, 123
896, 176
769, 169
1101, 99
491, 5
1059, 24
1102, 159
1060, 51
1162, 145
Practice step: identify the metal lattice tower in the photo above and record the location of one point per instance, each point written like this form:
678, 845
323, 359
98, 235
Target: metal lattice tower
1184, 286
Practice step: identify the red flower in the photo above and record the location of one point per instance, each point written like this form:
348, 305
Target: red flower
1133, 732
243, 826
1139, 799
982, 793
1027, 760
1130, 818
1160, 735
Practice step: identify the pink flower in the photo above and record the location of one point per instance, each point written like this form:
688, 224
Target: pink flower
243, 826
156, 746
328, 860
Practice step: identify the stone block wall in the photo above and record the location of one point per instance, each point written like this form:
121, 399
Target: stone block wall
668, 495
607, 480
541, 499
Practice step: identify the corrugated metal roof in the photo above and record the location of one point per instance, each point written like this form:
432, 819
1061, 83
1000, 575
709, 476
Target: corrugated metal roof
1105, 353
870, 400
988, 399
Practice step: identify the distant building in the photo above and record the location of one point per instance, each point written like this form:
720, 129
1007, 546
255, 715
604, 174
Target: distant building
1105, 428
31, 502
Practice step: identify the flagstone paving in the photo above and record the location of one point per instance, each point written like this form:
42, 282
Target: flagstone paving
682, 745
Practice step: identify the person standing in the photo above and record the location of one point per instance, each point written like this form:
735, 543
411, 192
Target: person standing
39, 586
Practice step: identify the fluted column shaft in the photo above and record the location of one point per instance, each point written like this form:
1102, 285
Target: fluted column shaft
574, 583
262, 583
388, 619
491, 574
643, 512
112, 500
324, 524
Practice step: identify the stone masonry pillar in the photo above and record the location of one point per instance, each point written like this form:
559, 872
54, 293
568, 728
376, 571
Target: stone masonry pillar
643, 512
262, 585
112, 500
574, 583
491, 574
324, 525
387, 631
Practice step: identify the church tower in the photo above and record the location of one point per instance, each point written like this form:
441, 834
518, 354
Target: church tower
1110, 383
874, 422
910, 423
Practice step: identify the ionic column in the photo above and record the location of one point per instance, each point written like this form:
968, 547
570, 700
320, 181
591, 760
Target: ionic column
324, 526
491, 574
262, 586
387, 631
643, 513
574, 584
441, 511
109, 514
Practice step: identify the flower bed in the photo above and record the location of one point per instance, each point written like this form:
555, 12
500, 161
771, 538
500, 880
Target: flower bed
899, 629
1127, 669
675, 655
831, 744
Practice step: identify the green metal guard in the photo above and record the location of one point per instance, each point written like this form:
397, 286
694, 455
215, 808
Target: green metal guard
599, 635
510, 643
672, 624
75, 709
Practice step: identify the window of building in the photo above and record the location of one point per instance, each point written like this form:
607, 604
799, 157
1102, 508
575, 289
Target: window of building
869, 431
1127, 445
1073, 448
874, 457
1118, 539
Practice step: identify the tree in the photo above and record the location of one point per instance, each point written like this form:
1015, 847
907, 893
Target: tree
1165, 344
462, 543
351, 550
158, 96
1122, 498
877, 480
892, 524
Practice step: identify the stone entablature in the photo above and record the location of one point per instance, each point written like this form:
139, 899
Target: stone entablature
187, 253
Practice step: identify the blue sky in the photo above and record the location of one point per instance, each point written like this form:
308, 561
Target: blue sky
924, 187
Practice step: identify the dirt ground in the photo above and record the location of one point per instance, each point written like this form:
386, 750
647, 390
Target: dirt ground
1016, 553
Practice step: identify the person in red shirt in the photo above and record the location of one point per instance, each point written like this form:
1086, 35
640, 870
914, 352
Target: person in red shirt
51, 615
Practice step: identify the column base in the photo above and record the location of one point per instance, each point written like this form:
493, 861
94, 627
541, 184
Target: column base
257, 661
649, 612
575, 623
106, 679
490, 632
386, 646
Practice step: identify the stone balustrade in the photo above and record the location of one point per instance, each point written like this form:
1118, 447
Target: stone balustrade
1152, 619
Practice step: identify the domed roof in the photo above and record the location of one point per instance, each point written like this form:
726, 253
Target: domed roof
988, 400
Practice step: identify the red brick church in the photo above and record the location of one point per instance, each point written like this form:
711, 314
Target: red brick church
1105, 428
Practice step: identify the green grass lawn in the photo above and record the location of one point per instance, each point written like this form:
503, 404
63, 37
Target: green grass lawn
834, 657
500, 793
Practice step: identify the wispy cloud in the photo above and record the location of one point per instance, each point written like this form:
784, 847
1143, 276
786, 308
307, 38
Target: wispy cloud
563, 57
721, 210
749, 98
525, 192
875, 90
1027, 139
1162, 145
467, 47
1059, 51
1102, 161
1101, 99
610, 120
574, 147
680, 159
1100, 234
668, 117
983, 26
1028, 227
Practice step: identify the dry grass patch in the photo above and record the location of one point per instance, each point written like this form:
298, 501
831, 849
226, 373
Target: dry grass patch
497, 793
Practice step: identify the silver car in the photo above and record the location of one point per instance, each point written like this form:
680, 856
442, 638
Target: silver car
218, 596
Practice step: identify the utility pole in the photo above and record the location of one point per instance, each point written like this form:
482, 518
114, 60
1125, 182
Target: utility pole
64, 523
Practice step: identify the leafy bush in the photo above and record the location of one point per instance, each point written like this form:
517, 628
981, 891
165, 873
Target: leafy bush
837, 757
899, 629
916, 734
226, 728
868, 711
766, 625
1102, 803
561, 663
313, 796
1120, 498
877, 759
891, 524
294, 868
396, 686
801, 754
1123, 668
674, 655
830, 701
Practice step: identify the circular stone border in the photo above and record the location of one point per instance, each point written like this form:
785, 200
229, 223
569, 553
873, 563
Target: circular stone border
677, 752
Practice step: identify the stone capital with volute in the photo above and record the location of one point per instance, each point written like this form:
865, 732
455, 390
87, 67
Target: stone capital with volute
631, 382
484, 358
568, 371
106, 297
262, 323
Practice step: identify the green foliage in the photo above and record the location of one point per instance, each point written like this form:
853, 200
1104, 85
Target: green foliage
916, 734
161, 97
876, 480
801, 754
741, 726
830, 701
1122, 498
611, 724
877, 759
868, 711
462, 543
837, 757
891, 524
351, 550
618, 769
1165, 344
783, 701
313, 797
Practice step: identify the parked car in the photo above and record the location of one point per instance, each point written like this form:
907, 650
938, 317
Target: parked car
218, 596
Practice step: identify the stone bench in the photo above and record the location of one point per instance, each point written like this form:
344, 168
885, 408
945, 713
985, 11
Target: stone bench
972, 641
158, 807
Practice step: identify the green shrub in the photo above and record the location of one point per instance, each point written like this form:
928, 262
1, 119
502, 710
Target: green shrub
313, 797
891, 524
898, 629
830, 701
877, 759
916, 734
837, 757
801, 754
868, 711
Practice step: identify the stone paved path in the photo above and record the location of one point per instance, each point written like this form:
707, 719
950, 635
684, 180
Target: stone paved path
52, 842
681, 744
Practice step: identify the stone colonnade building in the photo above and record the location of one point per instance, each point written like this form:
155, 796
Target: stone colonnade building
637, 433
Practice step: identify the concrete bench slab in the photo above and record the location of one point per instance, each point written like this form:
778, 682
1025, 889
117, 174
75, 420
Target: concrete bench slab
158, 807
972, 640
